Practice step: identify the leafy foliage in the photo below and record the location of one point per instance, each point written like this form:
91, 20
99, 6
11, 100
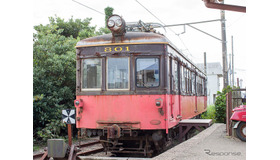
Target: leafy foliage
52, 130
220, 105
54, 62
210, 113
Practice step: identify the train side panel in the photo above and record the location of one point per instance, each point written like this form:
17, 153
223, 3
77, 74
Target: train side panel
201, 104
188, 106
193, 106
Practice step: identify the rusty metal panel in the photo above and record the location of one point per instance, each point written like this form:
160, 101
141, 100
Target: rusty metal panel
211, 4
129, 37
229, 113
123, 49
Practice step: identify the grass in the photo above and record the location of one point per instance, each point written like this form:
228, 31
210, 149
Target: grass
210, 113
36, 147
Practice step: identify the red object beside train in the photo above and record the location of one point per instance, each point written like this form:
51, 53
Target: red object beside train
239, 113
135, 86
239, 116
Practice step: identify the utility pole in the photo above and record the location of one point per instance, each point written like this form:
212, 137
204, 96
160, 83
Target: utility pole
229, 70
224, 49
232, 61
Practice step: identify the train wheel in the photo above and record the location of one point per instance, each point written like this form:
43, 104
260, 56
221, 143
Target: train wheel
241, 131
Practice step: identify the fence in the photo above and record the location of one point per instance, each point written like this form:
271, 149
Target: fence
234, 99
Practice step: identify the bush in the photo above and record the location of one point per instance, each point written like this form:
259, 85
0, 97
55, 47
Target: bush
52, 130
210, 113
220, 105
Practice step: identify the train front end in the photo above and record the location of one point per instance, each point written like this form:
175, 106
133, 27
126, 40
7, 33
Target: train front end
120, 93
133, 88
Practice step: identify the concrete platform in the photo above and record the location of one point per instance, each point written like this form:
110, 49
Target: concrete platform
207, 121
110, 158
210, 144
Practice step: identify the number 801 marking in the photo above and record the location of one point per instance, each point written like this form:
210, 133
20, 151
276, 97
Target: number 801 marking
117, 49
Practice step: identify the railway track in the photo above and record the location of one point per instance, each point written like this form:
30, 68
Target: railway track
85, 150
73, 152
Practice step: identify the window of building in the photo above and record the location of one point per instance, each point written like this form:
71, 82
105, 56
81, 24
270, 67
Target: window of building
118, 73
147, 72
91, 74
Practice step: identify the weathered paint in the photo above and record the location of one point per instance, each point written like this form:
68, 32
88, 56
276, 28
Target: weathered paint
121, 109
129, 38
239, 113
136, 111
189, 106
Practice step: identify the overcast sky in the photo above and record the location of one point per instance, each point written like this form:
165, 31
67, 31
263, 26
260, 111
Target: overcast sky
193, 43
259, 33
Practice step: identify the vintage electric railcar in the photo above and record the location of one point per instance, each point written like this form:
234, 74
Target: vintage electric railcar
135, 86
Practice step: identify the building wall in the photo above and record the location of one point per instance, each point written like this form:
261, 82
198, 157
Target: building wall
214, 72
213, 85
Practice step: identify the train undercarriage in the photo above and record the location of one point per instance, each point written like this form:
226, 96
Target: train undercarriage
123, 141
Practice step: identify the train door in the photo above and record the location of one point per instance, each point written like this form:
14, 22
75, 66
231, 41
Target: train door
175, 97
194, 90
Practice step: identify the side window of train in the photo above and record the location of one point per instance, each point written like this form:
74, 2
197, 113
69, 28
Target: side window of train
91, 74
205, 87
147, 72
189, 82
202, 88
198, 85
118, 73
183, 79
175, 75
193, 83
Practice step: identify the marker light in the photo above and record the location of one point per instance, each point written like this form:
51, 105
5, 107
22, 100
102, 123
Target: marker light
77, 103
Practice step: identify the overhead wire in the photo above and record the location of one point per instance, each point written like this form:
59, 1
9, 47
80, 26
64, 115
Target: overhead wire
88, 7
150, 12
186, 48
163, 24
236, 20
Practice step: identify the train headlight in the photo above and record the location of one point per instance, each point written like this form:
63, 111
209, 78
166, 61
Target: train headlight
111, 23
116, 24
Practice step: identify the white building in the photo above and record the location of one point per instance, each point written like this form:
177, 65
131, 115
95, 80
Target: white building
214, 72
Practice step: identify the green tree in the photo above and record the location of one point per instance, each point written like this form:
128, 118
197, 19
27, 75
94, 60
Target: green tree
54, 62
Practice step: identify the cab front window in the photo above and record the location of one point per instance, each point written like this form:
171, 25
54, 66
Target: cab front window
91, 74
118, 73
